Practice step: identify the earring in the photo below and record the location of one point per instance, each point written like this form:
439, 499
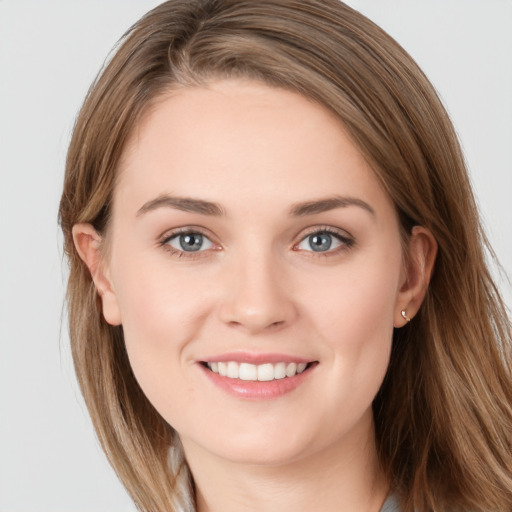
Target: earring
404, 315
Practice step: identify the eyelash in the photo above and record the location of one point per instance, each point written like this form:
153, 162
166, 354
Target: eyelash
346, 241
191, 230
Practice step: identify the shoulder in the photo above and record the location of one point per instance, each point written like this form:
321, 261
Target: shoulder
390, 505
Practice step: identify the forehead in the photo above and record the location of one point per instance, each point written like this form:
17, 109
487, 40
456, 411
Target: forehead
241, 141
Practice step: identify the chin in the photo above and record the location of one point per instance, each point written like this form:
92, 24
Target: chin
261, 454
275, 446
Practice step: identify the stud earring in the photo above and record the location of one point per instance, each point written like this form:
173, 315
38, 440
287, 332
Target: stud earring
404, 315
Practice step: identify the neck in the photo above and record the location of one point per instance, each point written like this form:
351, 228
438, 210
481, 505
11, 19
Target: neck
345, 476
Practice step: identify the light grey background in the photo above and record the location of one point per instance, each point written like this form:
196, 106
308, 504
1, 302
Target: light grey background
49, 53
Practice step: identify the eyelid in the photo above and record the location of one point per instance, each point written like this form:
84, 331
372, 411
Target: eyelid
170, 233
344, 237
167, 236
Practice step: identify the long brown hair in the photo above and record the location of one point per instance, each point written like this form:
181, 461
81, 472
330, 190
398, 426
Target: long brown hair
444, 413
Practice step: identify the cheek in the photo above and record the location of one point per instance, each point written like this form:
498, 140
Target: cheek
353, 310
162, 310
357, 298
156, 296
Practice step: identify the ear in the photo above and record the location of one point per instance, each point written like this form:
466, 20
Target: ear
418, 269
88, 244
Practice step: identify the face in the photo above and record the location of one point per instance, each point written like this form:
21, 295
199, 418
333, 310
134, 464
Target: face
255, 264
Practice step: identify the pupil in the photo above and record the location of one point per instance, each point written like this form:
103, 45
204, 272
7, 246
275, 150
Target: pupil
320, 242
191, 242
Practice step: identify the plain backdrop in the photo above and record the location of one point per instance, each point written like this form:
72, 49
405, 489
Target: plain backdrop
50, 51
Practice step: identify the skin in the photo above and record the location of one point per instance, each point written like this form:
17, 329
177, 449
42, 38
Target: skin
257, 286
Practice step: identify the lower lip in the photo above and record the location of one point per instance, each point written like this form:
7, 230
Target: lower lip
258, 390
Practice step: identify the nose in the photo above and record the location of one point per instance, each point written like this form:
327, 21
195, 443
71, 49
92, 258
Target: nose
258, 296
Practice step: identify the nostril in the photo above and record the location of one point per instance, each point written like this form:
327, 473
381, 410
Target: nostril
257, 325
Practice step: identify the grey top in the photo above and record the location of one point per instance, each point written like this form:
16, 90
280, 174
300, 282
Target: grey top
390, 505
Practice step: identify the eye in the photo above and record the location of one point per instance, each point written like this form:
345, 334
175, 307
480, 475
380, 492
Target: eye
189, 241
324, 241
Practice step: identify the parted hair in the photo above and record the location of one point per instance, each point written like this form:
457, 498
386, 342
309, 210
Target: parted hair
443, 415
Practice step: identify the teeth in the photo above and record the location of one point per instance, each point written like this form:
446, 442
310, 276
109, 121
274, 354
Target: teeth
265, 372
280, 371
261, 372
223, 369
248, 371
291, 369
232, 372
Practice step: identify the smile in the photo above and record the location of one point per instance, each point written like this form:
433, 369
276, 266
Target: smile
257, 376
251, 372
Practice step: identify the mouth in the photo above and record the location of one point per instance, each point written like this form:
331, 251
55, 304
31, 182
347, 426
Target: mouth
251, 376
265, 372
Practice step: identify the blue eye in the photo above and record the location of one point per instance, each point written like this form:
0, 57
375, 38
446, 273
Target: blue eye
320, 242
189, 242
323, 241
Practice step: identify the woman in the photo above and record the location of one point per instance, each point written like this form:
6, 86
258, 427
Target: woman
271, 229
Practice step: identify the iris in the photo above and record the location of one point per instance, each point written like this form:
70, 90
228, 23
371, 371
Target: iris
191, 242
320, 242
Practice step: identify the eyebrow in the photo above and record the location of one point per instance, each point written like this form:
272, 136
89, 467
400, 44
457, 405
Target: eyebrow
330, 203
203, 207
185, 204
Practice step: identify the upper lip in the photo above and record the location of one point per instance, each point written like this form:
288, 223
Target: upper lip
252, 358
